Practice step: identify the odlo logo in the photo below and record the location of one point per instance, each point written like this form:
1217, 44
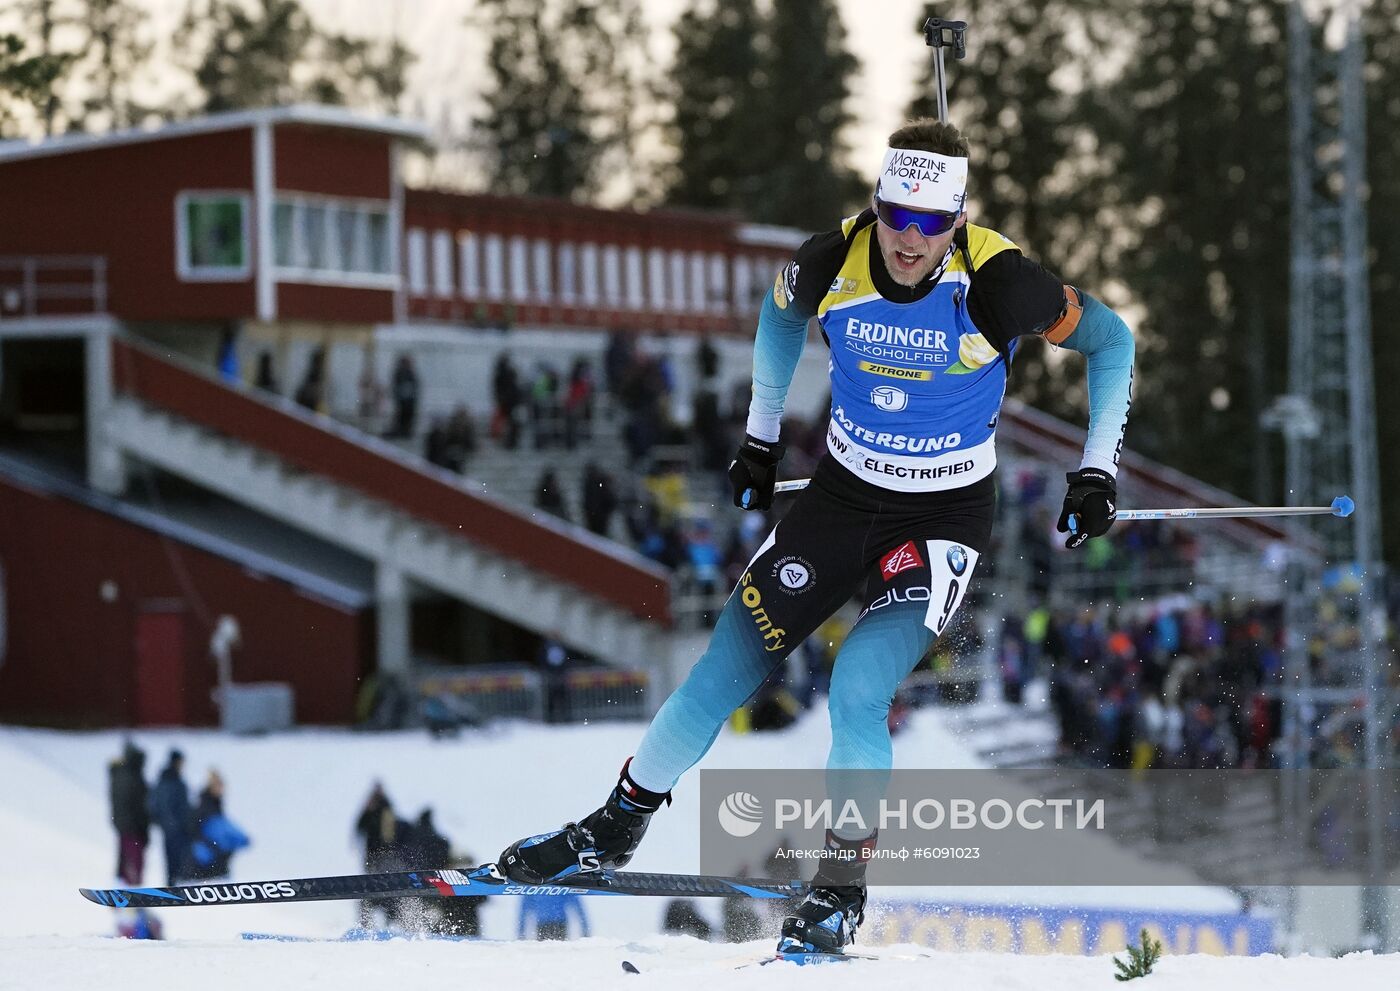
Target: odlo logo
752, 599
740, 814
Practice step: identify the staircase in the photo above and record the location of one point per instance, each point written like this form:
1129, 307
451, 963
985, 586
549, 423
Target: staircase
361, 495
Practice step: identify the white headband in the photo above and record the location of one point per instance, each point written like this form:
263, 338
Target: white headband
923, 180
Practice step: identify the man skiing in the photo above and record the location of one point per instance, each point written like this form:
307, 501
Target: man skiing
922, 312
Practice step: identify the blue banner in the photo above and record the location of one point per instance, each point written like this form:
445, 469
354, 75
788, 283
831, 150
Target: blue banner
1060, 929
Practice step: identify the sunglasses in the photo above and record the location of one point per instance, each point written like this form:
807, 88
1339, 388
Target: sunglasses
899, 218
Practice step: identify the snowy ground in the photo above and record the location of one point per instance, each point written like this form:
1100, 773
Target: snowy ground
298, 794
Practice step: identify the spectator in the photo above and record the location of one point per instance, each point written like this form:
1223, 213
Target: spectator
426, 849
505, 388
312, 391
266, 376
170, 809
376, 827
549, 496
599, 499
706, 359
229, 370
578, 403
404, 387
216, 838
461, 438
682, 919
544, 406
554, 659
550, 914
130, 816
379, 828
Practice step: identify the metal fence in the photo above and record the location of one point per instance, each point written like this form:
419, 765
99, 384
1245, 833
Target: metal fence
471, 697
52, 285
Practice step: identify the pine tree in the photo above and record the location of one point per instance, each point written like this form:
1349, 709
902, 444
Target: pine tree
44, 20
536, 123
1383, 152
1141, 958
26, 79
719, 116
1196, 131
116, 50
806, 181
246, 57
265, 53
606, 53
1012, 98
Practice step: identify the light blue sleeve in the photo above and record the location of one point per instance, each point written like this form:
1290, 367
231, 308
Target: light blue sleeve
777, 347
1105, 340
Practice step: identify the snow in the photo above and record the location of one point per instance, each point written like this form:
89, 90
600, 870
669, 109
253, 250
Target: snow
297, 795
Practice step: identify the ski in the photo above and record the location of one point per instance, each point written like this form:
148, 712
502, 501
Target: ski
486, 880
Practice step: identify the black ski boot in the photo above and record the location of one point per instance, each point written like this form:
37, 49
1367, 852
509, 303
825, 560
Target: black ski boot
834, 908
603, 841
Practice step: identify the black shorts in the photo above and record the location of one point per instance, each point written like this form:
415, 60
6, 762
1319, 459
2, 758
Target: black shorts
842, 533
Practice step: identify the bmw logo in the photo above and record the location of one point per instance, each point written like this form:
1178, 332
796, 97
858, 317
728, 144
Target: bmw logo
957, 559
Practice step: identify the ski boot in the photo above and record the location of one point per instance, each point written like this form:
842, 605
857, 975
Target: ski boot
827, 919
603, 841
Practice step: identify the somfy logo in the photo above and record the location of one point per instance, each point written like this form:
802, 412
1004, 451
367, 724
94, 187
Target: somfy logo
741, 814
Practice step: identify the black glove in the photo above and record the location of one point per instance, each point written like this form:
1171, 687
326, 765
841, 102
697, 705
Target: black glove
1092, 503
754, 472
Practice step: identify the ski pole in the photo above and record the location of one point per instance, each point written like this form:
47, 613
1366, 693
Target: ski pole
1340, 506
939, 34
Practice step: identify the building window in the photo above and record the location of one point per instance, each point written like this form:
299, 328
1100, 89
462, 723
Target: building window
699, 297
567, 275
543, 281
719, 284
212, 237
442, 264
417, 261
743, 284
678, 281
519, 270
494, 249
589, 275
333, 241
612, 277
636, 298
468, 252
656, 279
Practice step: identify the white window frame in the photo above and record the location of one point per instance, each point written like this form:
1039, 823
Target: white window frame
338, 271
541, 270
416, 247
635, 282
656, 279
612, 277
588, 274
518, 268
443, 287
212, 273
568, 273
743, 284
494, 256
678, 277
469, 264
719, 284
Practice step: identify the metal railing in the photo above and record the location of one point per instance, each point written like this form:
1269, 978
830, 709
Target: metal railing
52, 285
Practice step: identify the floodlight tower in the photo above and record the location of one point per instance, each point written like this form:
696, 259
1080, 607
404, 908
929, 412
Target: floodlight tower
1329, 418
